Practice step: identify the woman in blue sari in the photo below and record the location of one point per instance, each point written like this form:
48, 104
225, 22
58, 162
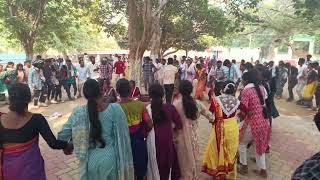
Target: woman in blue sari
100, 136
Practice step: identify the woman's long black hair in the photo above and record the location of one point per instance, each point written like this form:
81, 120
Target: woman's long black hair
91, 91
156, 94
19, 98
253, 77
189, 104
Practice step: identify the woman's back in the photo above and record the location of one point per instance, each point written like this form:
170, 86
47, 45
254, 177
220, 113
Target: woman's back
134, 111
101, 162
250, 100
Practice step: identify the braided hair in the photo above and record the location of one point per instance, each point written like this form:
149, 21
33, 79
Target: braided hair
91, 91
189, 104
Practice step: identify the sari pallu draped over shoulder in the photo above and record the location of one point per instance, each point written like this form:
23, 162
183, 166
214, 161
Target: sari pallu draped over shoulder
220, 155
22, 161
79, 125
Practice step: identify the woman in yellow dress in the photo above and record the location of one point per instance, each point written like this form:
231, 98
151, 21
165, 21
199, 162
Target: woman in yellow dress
220, 154
311, 86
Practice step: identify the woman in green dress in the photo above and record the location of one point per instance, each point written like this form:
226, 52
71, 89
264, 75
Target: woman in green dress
100, 136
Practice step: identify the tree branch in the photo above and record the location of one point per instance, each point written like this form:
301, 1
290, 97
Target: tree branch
162, 4
171, 52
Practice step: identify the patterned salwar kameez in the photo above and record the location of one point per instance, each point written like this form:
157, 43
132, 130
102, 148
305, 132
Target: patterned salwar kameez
255, 126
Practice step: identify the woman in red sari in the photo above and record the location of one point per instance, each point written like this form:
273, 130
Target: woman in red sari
201, 85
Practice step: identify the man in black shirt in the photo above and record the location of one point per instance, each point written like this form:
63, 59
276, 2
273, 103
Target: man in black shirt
292, 80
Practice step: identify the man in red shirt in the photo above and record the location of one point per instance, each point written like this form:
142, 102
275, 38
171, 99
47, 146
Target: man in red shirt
119, 67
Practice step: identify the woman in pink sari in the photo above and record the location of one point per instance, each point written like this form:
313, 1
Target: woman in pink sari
186, 141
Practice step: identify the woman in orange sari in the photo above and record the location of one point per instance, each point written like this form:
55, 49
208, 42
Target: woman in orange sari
201, 85
220, 155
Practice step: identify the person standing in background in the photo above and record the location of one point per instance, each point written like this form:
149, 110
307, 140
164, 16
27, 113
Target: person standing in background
27, 68
308, 61
292, 80
93, 68
47, 73
148, 77
190, 70
309, 89
83, 74
119, 67
35, 82
169, 74
3, 86
21, 75
72, 73
158, 72
302, 79
282, 77
183, 67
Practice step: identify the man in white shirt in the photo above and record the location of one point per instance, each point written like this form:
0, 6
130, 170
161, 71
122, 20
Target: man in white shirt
158, 75
93, 68
83, 74
169, 74
302, 78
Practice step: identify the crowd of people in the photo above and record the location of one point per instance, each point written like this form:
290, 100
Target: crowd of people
117, 135
47, 78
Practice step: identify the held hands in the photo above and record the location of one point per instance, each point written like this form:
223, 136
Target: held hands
69, 149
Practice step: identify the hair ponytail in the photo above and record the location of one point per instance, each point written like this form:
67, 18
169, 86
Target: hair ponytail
190, 107
262, 101
156, 94
92, 91
189, 104
252, 77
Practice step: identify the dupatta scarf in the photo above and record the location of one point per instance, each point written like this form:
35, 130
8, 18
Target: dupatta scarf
78, 128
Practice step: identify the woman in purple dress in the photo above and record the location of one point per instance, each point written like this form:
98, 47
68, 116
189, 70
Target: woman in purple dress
162, 156
19, 141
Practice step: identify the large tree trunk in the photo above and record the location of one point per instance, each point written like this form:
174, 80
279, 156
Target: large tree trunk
155, 42
138, 43
28, 49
